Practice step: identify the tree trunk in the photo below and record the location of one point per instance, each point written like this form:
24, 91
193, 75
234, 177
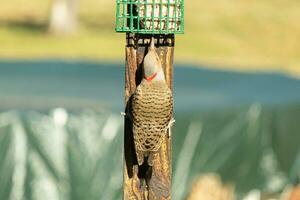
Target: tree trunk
157, 178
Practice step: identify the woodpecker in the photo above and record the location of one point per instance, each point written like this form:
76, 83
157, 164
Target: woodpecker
151, 108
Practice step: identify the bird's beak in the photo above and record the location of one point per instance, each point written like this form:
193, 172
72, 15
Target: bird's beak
152, 46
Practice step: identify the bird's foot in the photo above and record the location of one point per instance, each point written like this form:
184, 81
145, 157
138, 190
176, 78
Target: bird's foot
140, 158
123, 114
172, 121
151, 158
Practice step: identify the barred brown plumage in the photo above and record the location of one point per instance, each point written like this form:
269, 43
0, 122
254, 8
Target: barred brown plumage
151, 108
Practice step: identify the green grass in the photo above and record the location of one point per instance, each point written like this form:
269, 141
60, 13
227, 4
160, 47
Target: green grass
239, 34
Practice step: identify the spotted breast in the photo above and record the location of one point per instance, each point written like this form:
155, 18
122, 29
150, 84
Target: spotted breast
152, 107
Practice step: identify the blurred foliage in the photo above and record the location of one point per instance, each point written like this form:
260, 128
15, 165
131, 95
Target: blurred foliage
78, 155
239, 34
44, 158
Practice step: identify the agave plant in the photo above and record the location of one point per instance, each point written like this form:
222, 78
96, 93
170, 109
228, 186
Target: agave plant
64, 155
60, 155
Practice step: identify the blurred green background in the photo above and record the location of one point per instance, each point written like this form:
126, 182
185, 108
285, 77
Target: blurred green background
236, 87
239, 34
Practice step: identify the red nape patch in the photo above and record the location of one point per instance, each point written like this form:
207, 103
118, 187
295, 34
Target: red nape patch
151, 77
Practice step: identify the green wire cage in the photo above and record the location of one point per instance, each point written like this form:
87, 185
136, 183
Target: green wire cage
150, 16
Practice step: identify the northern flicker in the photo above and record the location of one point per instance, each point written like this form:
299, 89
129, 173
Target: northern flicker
152, 108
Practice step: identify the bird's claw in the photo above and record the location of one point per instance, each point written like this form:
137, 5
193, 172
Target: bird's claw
123, 114
172, 121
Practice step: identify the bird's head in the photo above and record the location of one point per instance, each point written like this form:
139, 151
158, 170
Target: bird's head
152, 64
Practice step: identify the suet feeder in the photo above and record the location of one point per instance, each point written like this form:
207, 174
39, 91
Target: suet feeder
150, 16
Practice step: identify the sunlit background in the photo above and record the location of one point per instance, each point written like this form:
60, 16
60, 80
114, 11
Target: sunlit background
237, 101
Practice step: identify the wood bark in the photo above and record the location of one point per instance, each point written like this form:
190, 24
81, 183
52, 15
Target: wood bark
145, 182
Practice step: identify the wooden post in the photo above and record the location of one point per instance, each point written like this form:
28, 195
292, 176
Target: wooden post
158, 177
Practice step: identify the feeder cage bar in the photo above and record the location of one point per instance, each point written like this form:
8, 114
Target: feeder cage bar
150, 16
